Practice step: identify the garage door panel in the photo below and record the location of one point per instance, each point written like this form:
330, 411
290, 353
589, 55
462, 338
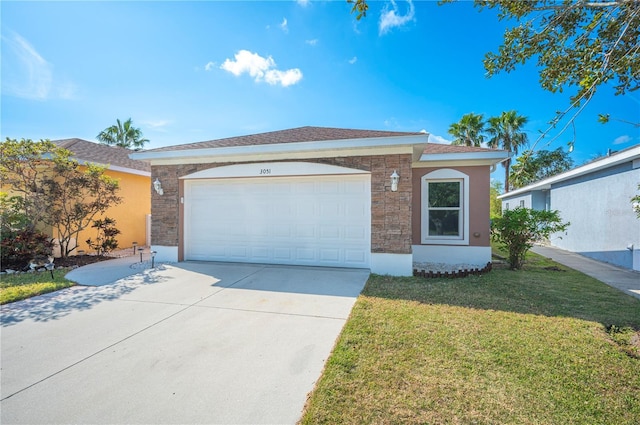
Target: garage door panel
311, 220
329, 255
305, 254
306, 232
354, 256
355, 233
260, 253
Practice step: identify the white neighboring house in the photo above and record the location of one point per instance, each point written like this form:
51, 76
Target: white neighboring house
596, 199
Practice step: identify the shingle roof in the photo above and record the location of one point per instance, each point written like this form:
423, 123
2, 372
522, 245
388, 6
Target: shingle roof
437, 148
84, 150
300, 134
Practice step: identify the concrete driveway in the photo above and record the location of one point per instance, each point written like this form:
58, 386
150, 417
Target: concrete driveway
183, 343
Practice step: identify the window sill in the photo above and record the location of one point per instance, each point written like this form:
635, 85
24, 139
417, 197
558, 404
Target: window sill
444, 242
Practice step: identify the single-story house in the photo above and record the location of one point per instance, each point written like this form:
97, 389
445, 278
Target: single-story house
319, 196
132, 215
596, 199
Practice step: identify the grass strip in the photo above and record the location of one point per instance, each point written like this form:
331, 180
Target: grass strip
538, 346
16, 287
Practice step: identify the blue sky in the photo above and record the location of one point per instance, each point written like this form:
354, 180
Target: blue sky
193, 71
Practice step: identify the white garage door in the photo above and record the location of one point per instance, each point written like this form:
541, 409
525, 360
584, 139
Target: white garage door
301, 220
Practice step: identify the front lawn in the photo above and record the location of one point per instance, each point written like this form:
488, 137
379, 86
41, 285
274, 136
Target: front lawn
546, 345
16, 287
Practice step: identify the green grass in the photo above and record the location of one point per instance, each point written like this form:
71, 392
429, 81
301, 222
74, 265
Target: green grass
538, 346
18, 287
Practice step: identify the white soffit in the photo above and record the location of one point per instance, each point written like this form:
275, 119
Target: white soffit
461, 159
116, 168
294, 150
273, 169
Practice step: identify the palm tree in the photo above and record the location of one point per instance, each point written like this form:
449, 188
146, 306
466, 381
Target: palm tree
506, 133
123, 135
468, 131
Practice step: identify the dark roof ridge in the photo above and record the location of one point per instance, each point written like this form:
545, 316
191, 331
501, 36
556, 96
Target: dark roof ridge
292, 135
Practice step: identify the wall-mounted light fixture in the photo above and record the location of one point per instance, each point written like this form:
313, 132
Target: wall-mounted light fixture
158, 187
395, 178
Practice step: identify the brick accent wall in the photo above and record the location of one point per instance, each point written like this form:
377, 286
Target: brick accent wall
390, 211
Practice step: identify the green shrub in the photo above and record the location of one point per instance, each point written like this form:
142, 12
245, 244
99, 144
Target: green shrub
19, 241
520, 228
106, 237
18, 247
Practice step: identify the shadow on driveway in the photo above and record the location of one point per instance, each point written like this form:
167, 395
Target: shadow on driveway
58, 304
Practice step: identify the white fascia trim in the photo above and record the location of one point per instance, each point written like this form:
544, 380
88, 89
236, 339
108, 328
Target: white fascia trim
461, 159
116, 168
392, 264
629, 155
214, 154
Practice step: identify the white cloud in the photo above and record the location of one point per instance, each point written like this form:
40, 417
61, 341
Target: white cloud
390, 19
438, 139
283, 25
261, 69
156, 125
303, 3
284, 78
621, 140
353, 60
312, 42
26, 74
209, 66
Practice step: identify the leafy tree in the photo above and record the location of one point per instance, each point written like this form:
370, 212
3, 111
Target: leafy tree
578, 44
468, 131
495, 205
123, 135
12, 214
581, 44
56, 192
506, 133
531, 167
518, 229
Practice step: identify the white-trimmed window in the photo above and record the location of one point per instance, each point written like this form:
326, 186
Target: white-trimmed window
445, 207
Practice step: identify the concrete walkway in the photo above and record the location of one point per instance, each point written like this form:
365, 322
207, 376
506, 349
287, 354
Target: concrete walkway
628, 281
109, 271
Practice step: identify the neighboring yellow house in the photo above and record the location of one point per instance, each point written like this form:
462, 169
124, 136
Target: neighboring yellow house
132, 215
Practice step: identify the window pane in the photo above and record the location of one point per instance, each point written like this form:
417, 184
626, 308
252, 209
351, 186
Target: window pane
444, 194
444, 223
